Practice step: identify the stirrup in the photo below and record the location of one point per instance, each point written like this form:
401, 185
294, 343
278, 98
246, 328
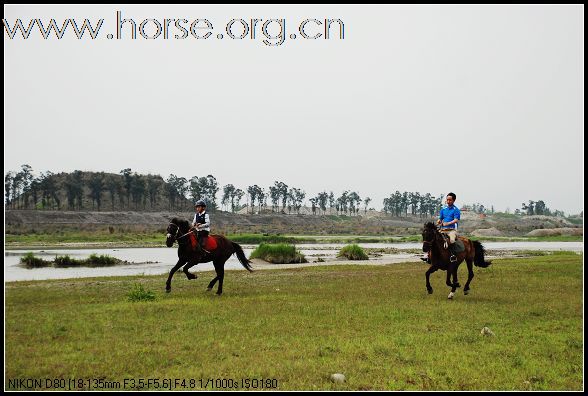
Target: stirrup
453, 258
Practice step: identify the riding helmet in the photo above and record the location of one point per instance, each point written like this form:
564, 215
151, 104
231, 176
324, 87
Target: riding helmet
200, 203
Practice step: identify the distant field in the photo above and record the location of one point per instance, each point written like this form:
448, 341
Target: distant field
375, 324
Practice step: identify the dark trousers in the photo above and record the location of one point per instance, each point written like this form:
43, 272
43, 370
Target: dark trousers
202, 235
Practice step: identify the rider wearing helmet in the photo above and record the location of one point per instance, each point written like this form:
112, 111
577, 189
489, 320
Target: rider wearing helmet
201, 223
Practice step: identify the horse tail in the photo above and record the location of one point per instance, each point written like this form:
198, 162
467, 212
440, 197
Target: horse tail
241, 256
479, 255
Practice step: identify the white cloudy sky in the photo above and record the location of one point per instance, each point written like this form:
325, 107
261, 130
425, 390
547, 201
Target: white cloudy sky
484, 101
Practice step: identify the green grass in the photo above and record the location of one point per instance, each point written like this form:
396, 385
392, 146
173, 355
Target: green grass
279, 253
353, 252
375, 324
30, 261
138, 293
255, 239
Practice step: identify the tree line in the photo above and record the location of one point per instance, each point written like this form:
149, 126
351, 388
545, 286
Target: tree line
538, 208
129, 190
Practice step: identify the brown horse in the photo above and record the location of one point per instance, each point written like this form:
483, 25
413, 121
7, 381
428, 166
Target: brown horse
436, 243
190, 254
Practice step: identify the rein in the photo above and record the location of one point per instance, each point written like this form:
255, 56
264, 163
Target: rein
177, 238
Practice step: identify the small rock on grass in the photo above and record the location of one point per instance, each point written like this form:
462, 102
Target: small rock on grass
338, 378
486, 331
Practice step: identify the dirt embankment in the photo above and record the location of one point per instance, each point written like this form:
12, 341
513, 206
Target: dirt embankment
36, 221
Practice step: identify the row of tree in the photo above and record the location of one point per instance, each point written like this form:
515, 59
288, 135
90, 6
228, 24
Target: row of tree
76, 190
130, 190
538, 208
400, 204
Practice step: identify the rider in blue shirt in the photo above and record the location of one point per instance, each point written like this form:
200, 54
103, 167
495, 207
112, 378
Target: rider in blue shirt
449, 216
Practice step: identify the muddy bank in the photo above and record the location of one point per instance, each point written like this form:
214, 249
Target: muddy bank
36, 221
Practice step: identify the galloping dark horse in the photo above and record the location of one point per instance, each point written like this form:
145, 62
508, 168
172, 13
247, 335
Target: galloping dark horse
189, 254
435, 242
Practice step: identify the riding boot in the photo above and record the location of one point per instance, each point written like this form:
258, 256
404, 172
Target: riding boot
201, 244
452, 256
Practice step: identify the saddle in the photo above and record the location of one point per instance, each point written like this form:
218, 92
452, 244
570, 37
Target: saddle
209, 242
458, 246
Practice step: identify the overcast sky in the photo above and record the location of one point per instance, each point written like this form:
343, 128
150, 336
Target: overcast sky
483, 101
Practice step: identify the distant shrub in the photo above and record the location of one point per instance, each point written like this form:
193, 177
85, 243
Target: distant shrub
102, 260
93, 261
30, 261
353, 252
66, 261
260, 238
280, 253
576, 220
138, 293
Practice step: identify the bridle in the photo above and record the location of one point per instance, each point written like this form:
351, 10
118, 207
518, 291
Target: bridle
431, 242
176, 237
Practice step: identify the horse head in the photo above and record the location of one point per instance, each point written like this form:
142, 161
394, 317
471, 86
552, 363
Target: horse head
429, 236
175, 228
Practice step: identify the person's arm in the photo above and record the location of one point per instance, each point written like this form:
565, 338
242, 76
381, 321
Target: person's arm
206, 221
194, 221
456, 218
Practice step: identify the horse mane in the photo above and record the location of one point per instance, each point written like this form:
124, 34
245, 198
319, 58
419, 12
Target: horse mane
430, 225
183, 224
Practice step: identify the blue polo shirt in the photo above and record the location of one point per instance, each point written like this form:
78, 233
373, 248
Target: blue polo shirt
449, 213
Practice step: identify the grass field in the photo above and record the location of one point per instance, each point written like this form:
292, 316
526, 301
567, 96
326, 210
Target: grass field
375, 324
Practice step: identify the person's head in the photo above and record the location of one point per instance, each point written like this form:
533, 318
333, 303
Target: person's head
200, 206
450, 198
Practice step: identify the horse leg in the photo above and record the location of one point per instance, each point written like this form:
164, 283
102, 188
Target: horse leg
448, 278
466, 288
171, 274
220, 270
212, 282
431, 269
455, 284
190, 264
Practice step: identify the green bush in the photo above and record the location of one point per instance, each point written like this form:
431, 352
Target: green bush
30, 261
140, 294
280, 253
66, 261
258, 238
353, 252
101, 261
93, 261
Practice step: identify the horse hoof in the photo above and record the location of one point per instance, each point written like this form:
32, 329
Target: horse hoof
168, 290
430, 291
450, 296
219, 293
466, 292
208, 288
